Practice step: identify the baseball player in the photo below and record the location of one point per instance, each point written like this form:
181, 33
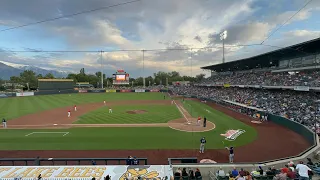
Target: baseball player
199, 119
110, 110
69, 113
104, 102
204, 121
4, 123
231, 154
202, 144
75, 107
172, 101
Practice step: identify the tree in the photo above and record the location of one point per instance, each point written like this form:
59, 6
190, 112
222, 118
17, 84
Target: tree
29, 77
98, 74
49, 76
200, 77
82, 71
39, 76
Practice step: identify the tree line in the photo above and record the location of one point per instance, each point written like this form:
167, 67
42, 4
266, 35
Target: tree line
29, 79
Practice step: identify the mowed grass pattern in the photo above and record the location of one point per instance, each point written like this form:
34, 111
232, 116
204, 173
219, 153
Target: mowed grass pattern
18, 106
222, 121
153, 114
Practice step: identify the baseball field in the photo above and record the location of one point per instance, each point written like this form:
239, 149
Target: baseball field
141, 124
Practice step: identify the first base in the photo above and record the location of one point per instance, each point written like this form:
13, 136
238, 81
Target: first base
55, 124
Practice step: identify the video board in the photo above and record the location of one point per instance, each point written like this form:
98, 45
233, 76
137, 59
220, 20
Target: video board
120, 78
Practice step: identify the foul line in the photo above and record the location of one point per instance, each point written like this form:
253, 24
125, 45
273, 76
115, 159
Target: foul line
64, 133
181, 111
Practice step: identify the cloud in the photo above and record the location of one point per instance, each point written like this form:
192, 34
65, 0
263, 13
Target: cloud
165, 25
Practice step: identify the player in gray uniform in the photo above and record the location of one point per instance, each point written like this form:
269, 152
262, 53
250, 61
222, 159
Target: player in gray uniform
202, 144
4, 123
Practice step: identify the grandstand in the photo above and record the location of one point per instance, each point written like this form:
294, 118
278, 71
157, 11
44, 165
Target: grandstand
285, 82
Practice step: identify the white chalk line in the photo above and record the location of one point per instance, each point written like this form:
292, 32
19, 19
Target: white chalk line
214, 126
64, 133
181, 111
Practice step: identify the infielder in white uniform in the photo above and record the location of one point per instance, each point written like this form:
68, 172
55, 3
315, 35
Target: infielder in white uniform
110, 110
4, 123
104, 102
75, 108
69, 113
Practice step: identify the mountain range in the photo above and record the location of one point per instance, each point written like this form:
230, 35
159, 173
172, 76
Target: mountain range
7, 70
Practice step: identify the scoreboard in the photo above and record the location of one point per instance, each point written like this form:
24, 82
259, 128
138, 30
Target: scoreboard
120, 78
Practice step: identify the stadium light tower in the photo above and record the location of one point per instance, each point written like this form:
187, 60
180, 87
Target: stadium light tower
144, 80
223, 36
101, 69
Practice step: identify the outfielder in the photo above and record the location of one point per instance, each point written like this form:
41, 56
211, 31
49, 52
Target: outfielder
75, 107
104, 102
69, 113
110, 110
202, 144
4, 123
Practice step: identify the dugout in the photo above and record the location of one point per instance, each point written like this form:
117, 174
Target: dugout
55, 84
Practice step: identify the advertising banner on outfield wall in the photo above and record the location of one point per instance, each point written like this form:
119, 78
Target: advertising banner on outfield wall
125, 90
301, 88
3, 96
111, 90
85, 172
154, 90
95, 91
22, 94
83, 91
139, 90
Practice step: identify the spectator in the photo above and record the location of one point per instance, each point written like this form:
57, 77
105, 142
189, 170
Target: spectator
260, 170
309, 163
234, 172
291, 174
108, 177
191, 174
303, 171
135, 161
240, 177
129, 160
231, 177
197, 174
221, 172
93, 162
184, 173
281, 176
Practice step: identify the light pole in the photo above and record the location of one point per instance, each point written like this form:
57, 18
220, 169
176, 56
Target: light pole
223, 36
144, 80
101, 70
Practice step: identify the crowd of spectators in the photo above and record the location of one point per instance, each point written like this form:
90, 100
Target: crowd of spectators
307, 78
290, 171
302, 107
187, 175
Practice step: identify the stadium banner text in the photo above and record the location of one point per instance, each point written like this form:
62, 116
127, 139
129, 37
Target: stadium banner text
83, 91
96, 91
139, 90
154, 90
111, 91
301, 88
126, 90
99, 172
3, 96
25, 94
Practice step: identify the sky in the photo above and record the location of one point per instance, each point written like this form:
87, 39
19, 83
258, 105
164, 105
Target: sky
157, 26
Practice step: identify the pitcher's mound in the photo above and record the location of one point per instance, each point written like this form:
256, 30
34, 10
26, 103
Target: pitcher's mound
191, 125
136, 112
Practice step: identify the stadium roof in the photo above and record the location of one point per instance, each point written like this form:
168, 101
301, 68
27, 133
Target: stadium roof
269, 59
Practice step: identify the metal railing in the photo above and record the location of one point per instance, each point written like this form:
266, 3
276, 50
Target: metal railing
64, 161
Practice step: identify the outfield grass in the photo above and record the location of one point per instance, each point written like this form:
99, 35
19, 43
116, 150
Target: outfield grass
18, 106
130, 138
120, 115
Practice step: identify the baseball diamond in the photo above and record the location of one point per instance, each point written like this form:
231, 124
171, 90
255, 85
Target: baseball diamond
159, 129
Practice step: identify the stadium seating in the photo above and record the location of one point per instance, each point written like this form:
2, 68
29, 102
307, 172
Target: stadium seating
303, 78
297, 106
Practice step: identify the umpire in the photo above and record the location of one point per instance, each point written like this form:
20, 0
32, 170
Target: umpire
204, 121
202, 144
